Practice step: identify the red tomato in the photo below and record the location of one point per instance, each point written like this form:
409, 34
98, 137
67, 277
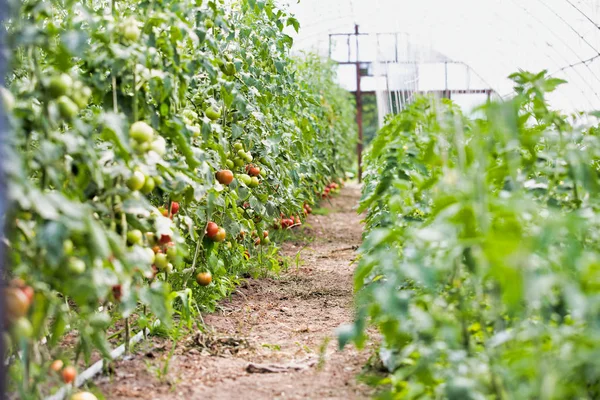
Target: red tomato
212, 230
174, 207
69, 374
225, 177
165, 239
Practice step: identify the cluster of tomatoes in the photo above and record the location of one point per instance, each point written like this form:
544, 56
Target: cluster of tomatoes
68, 374
287, 222
18, 298
330, 189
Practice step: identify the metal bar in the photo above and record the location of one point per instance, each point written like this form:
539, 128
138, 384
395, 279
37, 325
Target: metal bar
3, 185
359, 120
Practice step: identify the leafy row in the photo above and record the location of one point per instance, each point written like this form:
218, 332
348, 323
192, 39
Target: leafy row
480, 261
153, 141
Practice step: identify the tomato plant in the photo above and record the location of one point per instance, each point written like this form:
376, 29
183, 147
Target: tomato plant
480, 259
123, 113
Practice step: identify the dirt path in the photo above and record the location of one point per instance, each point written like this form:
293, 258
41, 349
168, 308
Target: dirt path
285, 322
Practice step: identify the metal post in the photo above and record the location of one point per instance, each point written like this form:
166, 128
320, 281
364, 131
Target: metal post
359, 121
3, 143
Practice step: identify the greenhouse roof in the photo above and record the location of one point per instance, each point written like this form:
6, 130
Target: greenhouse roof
488, 39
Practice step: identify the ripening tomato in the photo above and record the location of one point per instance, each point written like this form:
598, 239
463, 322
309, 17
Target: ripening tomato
68, 374
204, 278
117, 292
29, 292
165, 239
253, 171
212, 230
16, 303
56, 365
257, 241
221, 234
225, 177
83, 396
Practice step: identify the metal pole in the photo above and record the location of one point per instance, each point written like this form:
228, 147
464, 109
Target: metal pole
3, 141
359, 120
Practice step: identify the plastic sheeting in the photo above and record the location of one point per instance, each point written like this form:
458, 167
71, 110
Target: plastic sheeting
480, 41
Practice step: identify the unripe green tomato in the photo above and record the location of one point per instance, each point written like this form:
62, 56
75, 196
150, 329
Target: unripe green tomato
209, 23
246, 179
254, 182
266, 240
159, 146
169, 268
21, 329
248, 157
172, 253
131, 32
238, 146
161, 261
241, 154
60, 85
240, 210
230, 164
136, 181
68, 247
76, 265
141, 132
8, 100
150, 254
135, 236
158, 180
263, 173
195, 130
239, 162
81, 94
67, 108
229, 69
149, 185
212, 113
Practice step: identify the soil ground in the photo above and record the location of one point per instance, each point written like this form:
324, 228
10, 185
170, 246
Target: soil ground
274, 338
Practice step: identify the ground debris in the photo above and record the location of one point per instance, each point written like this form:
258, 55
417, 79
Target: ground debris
253, 368
219, 345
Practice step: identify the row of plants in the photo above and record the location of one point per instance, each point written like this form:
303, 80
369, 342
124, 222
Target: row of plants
480, 265
159, 150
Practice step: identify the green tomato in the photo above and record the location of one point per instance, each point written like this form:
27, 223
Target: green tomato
248, 157
60, 85
230, 164
135, 237
158, 180
209, 23
172, 253
161, 261
76, 265
159, 146
241, 154
238, 146
141, 132
8, 100
131, 32
246, 179
239, 162
266, 240
150, 254
149, 185
169, 268
212, 113
136, 181
68, 247
229, 69
22, 329
81, 94
254, 182
67, 108
263, 173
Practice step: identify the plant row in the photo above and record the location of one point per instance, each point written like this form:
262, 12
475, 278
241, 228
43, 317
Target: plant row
159, 150
480, 264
